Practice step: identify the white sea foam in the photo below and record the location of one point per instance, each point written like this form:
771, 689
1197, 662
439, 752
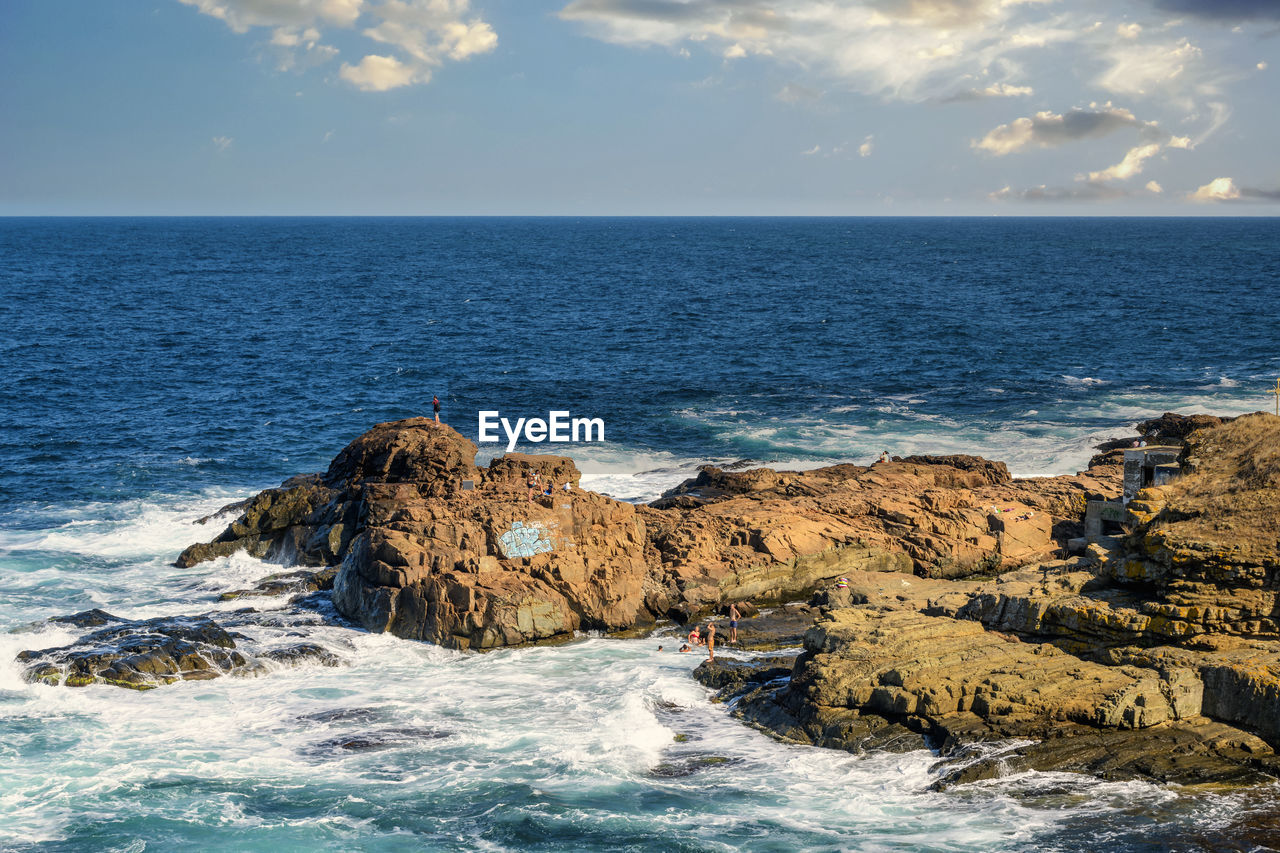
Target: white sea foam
581, 736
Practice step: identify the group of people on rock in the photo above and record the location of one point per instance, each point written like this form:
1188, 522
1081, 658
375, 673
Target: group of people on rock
706, 636
537, 487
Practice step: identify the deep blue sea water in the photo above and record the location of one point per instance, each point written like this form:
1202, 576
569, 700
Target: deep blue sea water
154, 369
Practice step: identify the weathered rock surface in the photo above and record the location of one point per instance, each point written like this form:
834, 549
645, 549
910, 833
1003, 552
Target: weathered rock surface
142, 654
1158, 659
432, 547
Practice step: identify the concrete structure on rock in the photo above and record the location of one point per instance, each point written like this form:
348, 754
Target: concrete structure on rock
1143, 467
1149, 466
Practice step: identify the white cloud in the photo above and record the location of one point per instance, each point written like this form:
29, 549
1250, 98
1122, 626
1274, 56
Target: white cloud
241, 15
296, 47
1128, 31
285, 37
1226, 189
867, 146
1153, 186
814, 150
1139, 69
1219, 189
425, 33
379, 73
901, 49
1004, 90
1083, 192
1048, 129
222, 143
1131, 165
1262, 66
429, 30
995, 90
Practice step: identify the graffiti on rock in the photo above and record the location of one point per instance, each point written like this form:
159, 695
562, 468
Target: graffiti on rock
526, 539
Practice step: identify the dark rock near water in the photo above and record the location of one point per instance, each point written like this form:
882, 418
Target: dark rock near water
690, 765
301, 653
731, 677
94, 618
1172, 428
287, 583
378, 739
340, 715
140, 655
143, 654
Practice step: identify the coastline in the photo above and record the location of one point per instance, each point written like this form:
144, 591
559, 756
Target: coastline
1051, 650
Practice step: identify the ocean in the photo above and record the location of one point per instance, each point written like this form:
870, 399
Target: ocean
156, 369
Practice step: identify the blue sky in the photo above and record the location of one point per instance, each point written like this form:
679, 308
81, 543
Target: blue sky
684, 107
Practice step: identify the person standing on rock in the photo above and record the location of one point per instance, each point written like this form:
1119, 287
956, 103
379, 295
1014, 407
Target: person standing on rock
734, 615
711, 641
534, 482
435, 407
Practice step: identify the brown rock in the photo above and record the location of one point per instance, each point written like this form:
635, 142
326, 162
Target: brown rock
434, 548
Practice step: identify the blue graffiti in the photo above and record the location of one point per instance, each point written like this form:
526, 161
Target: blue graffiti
525, 540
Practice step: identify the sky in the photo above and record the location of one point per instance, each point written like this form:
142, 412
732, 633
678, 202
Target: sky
639, 107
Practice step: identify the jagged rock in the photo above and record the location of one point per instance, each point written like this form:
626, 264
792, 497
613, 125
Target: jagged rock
480, 565
1173, 428
286, 583
143, 654
732, 678
140, 655
955, 684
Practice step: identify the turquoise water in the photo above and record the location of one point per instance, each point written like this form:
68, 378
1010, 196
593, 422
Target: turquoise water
158, 369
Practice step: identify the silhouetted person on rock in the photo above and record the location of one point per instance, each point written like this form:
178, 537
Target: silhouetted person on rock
435, 407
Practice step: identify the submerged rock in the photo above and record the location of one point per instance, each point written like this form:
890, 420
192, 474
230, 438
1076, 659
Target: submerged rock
143, 654
139, 654
731, 678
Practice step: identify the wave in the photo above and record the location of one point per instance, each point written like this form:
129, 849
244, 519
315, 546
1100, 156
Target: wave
1083, 381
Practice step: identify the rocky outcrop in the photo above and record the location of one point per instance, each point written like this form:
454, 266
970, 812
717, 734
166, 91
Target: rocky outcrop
1159, 658
432, 547
303, 522
148, 653
1170, 429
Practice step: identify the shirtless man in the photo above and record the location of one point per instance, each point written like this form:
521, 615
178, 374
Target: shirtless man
734, 616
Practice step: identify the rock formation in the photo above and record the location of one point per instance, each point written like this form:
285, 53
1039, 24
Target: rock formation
1158, 658
147, 653
433, 548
